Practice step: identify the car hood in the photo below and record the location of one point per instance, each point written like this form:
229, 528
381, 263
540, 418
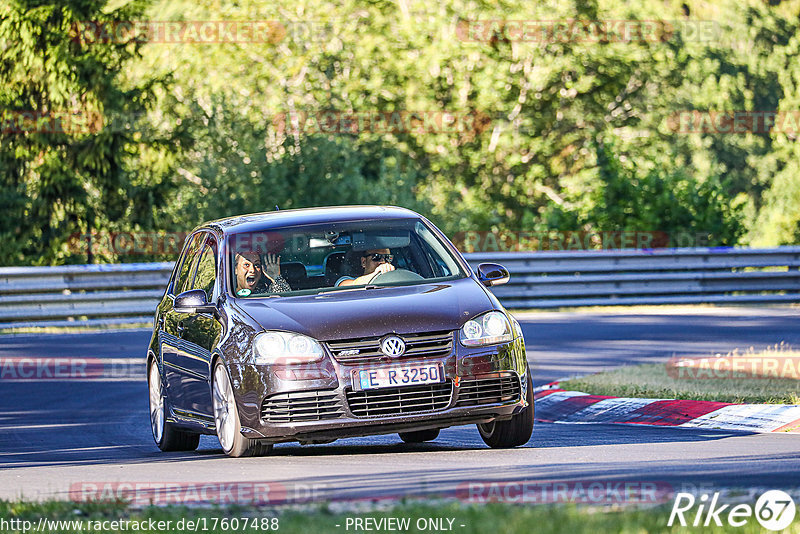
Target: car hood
373, 312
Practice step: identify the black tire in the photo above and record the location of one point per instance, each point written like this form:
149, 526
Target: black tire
514, 432
226, 419
167, 437
419, 436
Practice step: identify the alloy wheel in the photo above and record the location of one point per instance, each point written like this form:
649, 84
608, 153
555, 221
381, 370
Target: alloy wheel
156, 404
224, 408
487, 429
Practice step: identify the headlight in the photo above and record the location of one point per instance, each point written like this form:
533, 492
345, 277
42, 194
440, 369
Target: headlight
516, 328
285, 348
487, 329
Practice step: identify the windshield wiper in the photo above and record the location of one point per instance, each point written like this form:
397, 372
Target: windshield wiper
351, 288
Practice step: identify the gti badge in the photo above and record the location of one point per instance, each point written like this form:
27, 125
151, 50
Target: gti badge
393, 346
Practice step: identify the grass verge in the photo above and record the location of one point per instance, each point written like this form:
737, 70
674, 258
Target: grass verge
769, 376
466, 519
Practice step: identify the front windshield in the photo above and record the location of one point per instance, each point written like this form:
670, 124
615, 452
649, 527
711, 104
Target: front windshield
337, 256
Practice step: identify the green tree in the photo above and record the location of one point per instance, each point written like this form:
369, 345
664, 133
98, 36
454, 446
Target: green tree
62, 181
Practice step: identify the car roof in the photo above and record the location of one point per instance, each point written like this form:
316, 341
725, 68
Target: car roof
281, 218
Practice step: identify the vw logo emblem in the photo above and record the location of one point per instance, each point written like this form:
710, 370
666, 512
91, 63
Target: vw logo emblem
393, 346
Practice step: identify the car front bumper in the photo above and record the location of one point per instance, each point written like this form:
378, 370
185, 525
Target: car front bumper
321, 403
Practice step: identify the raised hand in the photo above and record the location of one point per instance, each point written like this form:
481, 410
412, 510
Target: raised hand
272, 267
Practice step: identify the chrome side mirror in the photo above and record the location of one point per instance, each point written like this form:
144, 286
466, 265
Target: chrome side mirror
193, 301
492, 274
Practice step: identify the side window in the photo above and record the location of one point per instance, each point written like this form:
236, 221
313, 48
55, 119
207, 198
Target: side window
206, 271
187, 259
440, 261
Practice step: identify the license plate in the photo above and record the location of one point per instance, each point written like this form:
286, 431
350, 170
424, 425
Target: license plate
388, 377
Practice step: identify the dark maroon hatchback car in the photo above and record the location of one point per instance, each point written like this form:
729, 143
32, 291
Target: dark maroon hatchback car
316, 324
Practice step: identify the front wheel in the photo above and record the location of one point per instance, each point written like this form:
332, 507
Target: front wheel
226, 417
419, 436
166, 436
514, 432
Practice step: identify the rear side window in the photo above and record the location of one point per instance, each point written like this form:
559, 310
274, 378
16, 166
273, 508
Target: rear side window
206, 273
187, 260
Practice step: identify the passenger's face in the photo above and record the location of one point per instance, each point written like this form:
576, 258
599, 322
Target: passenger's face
369, 263
248, 273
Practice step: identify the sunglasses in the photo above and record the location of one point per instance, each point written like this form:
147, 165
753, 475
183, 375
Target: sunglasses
378, 257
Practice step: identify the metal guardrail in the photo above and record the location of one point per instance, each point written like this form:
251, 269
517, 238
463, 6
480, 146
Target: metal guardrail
128, 293
658, 276
81, 294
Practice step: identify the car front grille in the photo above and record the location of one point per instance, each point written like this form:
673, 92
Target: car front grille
433, 344
298, 406
399, 401
488, 389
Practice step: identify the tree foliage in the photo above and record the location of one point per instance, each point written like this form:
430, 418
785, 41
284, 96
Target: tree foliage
81, 163
570, 134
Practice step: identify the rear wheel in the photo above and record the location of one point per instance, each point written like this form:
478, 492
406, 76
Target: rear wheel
514, 432
226, 417
166, 436
419, 436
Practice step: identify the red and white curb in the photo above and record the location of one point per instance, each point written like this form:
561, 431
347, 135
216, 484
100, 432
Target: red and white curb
555, 405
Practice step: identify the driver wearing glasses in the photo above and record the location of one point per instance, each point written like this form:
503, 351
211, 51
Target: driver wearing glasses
374, 262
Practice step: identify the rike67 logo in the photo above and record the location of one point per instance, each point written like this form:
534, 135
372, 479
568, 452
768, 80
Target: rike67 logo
774, 510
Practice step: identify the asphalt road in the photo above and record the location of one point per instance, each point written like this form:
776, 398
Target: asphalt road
62, 435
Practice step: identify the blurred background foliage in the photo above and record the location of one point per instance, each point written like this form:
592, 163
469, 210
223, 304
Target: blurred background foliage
569, 136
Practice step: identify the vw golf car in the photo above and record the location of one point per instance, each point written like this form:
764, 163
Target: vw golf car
317, 324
